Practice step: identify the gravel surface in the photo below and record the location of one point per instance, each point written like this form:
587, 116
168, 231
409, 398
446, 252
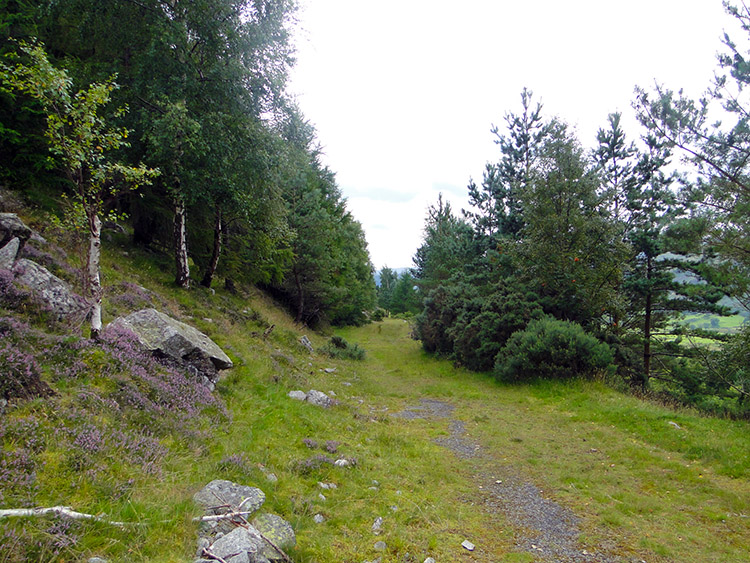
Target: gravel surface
542, 527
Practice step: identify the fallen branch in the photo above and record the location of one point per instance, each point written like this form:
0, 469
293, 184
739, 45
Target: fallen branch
62, 511
227, 516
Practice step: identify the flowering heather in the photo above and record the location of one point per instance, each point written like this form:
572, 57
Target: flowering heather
131, 296
311, 464
10, 293
20, 440
235, 462
20, 369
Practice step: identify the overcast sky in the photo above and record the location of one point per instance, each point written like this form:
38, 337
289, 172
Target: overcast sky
403, 93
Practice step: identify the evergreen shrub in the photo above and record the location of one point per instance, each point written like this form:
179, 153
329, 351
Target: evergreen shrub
338, 347
552, 349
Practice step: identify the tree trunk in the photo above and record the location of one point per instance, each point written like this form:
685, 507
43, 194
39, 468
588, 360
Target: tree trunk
94, 280
211, 270
182, 277
647, 328
300, 297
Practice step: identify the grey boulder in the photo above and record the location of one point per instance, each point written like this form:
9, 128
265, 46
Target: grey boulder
50, 289
11, 227
221, 496
162, 334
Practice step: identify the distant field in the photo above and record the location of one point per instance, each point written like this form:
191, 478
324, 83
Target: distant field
725, 325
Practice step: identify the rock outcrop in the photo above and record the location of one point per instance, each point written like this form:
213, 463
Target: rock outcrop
13, 236
50, 290
176, 340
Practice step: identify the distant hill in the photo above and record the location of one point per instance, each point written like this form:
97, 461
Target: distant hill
398, 271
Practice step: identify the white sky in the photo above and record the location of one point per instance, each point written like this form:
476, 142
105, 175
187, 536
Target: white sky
403, 93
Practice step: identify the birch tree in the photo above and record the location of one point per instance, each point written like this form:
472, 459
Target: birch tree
81, 139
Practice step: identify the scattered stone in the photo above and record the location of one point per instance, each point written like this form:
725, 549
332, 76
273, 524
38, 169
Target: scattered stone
271, 478
322, 497
221, 496
318, 398
330, 370
380, 546
675, 425
429, 560
377, 525
203, 545
394, 508
327, 486
96, 560
236, 546
318, 519
305, 341
299, 395
466, 544
278, 531
346, 383
343, 462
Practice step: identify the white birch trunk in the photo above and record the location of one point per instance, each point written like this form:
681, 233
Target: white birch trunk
94, 281
180, 240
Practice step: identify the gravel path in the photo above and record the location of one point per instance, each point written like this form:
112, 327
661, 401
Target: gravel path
542, 527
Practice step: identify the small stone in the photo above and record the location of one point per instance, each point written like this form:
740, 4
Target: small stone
375, 483
203, 544
271, 478
343, 462
318, 519
318, 398
672, 423
380, 546
377, 525
96, 560
322, 497
394, 508
466, 544
299, 395
330, 370
429, 560
498, 482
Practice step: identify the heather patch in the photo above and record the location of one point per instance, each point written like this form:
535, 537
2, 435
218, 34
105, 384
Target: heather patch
21, 372
126, 297
21, 439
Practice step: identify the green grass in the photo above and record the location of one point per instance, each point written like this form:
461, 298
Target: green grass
639, 484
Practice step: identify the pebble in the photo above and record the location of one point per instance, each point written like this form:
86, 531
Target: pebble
429, 560
380, 546
377, 525
466, 544
322, 497
318, 519
327, 486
